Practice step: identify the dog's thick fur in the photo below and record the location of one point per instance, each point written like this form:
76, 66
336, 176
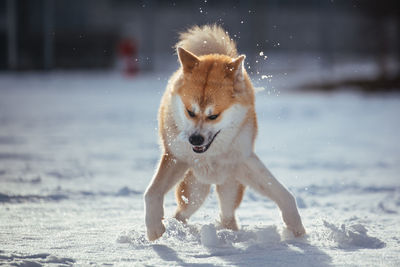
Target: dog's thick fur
207, 126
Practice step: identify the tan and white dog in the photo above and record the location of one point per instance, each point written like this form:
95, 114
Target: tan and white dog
207, 126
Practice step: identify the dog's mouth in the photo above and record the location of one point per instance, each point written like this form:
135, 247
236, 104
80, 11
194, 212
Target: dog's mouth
204, 148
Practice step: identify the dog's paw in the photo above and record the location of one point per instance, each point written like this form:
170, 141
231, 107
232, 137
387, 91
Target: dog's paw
179, 217
293, 223
155, 232
298, 230
229, 223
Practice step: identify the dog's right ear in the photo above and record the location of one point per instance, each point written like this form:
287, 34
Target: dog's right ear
187, 59
236, 68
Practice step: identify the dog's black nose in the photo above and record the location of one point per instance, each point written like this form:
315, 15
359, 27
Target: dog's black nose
196, 139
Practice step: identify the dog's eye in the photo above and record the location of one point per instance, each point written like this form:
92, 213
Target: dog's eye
213, 117
191, 113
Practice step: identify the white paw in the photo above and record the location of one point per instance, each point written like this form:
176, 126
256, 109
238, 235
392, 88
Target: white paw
155, 231
297, 230
294, 224
229, 223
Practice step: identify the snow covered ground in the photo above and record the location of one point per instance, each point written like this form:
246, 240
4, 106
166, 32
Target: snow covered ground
77, 151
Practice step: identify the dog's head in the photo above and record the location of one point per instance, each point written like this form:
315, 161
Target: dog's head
212, 99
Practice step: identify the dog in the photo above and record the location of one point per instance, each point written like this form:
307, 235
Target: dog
207, 129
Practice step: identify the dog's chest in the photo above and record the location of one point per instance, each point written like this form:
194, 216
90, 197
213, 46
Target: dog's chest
213, 172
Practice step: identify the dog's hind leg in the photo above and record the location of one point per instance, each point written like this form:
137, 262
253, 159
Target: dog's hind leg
254, 174
190, 195
230, 194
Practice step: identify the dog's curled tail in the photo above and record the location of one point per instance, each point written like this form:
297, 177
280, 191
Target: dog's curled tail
207, 39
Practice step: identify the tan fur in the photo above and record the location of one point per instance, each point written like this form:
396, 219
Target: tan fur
190, 195
210, 81
182, 193
239, 195
205, 86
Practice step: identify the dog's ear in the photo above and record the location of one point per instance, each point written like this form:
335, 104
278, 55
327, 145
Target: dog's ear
235, 68
187, 59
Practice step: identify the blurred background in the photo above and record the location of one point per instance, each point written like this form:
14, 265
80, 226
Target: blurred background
347, 44
80, 86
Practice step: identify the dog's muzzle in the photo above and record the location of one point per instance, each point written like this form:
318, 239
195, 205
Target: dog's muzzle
197, 148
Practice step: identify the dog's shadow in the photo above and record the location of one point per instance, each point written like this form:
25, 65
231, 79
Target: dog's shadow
168, 254
290, 253
260, 247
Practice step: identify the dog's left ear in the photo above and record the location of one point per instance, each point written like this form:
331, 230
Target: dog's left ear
236, 68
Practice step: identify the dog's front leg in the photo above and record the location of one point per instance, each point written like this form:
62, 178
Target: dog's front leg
169, 172
254, 174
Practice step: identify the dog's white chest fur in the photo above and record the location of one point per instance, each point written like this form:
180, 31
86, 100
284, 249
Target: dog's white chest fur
212, 171
220, 161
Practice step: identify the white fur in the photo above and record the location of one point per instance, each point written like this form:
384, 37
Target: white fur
195, 108
230, 146
209, 110
170, 172
230, 160
228, 126
253, 173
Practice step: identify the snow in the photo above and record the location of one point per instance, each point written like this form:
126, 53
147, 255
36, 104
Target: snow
208, 235
77, 151
356, 237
